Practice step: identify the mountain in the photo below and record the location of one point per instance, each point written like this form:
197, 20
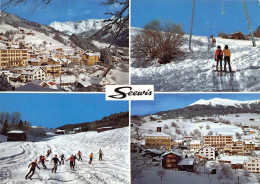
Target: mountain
89, 27
225, 102
215, 106
116, 120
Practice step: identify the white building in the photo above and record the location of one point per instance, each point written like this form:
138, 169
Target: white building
253, 165
195, 145
208, 151
31, 73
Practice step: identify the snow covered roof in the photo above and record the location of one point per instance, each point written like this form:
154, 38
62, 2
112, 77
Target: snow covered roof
157, 134
172, 152
235, 159
34, 87
249, 142
31, 70
93, 54
195, 142
84, 80
154, 151
187, 161
106, 127
15, 132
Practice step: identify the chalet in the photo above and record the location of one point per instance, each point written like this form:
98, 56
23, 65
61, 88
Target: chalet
31, 73
60, 132
90, 59
35, 61
16, 135
102, 129
186, 164
234, 150
76, 58
253, 165
171, 159
152, 152
52, 70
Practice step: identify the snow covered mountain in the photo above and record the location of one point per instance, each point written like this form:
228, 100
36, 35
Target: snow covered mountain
224, 102
114, 168
90, 26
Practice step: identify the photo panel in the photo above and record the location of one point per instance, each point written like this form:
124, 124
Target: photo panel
63, 138
196, 46
198, 137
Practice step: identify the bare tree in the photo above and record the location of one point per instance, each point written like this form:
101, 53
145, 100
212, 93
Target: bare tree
161, 173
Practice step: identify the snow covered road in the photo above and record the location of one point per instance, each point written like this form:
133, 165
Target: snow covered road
15, 157
196, 71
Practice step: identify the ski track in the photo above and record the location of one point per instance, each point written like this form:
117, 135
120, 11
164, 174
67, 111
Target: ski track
195, 72
113, 169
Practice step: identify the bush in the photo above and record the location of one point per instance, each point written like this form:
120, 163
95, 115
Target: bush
158, 42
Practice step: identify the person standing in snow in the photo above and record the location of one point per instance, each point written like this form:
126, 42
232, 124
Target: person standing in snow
48, 152
62, 159
42, 161
218, 58
55, 160
79, 155
32, 170
71, 159
100, 153
90, 158
75, 158
227, 55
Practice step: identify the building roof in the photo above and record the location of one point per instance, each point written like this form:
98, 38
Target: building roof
172, 152
186, 161
157, 134
195, 142
31, 70
34, 87
15, 132
154, 151
249, 142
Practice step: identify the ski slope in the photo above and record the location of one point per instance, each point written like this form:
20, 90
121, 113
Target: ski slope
196, 71
15, 157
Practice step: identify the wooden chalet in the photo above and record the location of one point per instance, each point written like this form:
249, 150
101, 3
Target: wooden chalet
60, 132
171, 159
16, 135
102, 129
186, 164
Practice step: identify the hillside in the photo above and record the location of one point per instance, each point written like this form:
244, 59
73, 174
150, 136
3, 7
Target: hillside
207, 108
196, 72
114, 168
257, 32
117, 120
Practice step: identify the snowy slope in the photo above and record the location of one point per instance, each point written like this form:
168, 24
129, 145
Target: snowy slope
70, 27
196, 71
224, 102
15, 157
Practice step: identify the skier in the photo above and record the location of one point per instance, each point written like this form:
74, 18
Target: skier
62, 159
33, 166
227, 55
79, 154
71, 159
90, 158
75, 158
100, 153
48, 152
218, 58
55, 160
42, 159
213, 40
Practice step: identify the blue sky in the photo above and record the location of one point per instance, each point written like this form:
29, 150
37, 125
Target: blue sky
164, 102
208, 18
54, 110
62, 11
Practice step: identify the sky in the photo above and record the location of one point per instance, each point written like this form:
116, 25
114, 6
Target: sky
61, 11
208, 17
54, 110
163, 102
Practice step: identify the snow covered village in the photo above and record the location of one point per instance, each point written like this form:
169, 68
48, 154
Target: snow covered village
209, 141
66, 148
68, 56
175, 46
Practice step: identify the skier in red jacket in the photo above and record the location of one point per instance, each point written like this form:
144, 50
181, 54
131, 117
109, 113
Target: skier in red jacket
32, 170
72, 160
218, 58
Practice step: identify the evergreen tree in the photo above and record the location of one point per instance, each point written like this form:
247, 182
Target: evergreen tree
20, 125
5, 128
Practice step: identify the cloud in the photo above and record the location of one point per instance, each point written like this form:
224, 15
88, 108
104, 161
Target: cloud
72, 12
86, 12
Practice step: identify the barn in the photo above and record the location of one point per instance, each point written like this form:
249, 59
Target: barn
102, 129
60, 132
171, 160
16, 135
